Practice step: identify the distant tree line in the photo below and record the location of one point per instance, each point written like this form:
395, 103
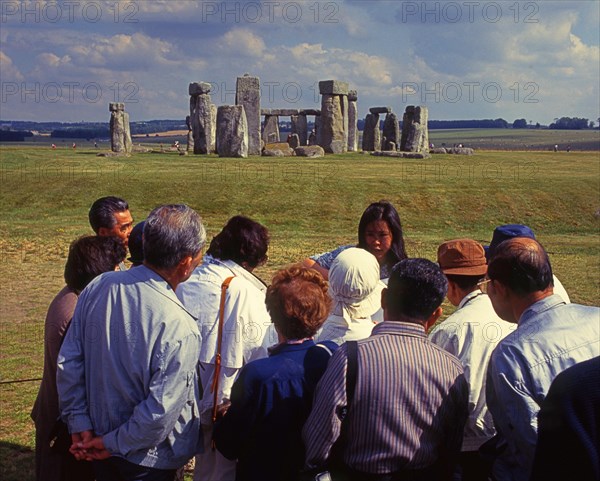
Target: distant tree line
91, 133
574, 123
14, 135
468, 124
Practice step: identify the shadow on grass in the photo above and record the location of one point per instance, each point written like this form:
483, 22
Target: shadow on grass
17, 463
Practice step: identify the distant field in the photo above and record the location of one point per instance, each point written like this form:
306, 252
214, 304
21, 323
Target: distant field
308, 205
518, 139
483, 139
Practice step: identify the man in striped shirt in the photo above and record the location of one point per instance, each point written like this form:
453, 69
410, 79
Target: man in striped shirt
409, 409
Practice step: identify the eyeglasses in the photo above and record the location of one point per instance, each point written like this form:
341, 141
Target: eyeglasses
483, 284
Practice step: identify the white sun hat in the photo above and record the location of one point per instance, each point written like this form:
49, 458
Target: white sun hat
354, 284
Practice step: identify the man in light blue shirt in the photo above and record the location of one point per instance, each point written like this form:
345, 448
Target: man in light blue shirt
550, 337
127, 371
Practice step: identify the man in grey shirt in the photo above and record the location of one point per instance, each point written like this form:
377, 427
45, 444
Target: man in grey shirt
127, 371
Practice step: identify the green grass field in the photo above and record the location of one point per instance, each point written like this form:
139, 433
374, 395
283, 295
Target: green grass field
308, 205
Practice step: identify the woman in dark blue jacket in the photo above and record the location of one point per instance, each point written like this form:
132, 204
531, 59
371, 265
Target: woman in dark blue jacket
272, 397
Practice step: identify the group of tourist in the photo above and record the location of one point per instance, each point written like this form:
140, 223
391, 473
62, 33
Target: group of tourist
340, 368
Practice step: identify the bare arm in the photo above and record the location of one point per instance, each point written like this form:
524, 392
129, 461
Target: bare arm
312, 264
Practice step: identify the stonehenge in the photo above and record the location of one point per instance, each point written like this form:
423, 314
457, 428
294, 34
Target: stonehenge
247, 129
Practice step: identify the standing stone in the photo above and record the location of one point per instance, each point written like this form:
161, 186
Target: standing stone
352, 121
371, 136
300, 127
333, 132
391, 131
317, 129
190, 135
213, 130
415, 135
247, 93
120, 135
270, 132
201, 118
232, 131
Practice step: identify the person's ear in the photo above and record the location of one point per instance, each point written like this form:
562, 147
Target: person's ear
435, 315
104, 232
384, 294
185, 266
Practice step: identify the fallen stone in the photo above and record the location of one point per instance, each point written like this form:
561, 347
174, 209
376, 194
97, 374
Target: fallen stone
403, 155
438, 150
276, 145
272, 153
460, 151
310, 151
282, 147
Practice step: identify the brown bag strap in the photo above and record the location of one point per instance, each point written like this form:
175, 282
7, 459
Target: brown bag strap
215, 383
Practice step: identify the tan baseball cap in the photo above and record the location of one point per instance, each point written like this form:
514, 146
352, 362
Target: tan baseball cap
463, 257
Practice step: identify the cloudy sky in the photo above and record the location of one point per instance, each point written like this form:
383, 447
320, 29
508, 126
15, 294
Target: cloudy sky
66, 60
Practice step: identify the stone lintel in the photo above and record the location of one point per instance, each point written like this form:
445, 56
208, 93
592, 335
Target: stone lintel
316, 112
284, 112
333, 87
199, 88
380, 110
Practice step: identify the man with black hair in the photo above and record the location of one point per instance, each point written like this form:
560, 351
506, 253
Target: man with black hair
408, 412
110, 216
551, 336
471, 334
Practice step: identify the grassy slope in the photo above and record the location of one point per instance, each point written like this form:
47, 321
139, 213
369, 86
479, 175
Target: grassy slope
308, 205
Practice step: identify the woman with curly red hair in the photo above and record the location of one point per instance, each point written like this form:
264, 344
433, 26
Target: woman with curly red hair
272, 397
